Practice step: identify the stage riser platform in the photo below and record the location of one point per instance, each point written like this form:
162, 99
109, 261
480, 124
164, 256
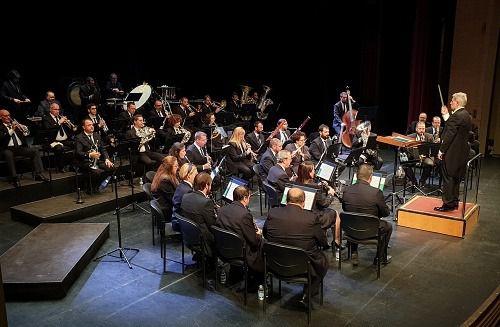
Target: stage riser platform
418, 213
47, 261
30, 190
64, 209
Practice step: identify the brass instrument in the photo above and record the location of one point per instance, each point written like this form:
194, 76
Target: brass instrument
187, 134
436, 138
24, 129
67, 122
219, 106
102, 124
263, 103
245, 99
215, 131
146, 134
363, 131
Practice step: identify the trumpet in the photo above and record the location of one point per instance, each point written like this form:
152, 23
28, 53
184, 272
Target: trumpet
67, 122
102, 124
24, 129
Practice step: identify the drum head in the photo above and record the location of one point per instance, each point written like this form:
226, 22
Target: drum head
74, 94
139, 95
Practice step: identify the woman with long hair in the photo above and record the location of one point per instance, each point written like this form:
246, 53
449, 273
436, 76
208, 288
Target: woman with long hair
178, 150
324, 197
187, 173
164, 184
239, 154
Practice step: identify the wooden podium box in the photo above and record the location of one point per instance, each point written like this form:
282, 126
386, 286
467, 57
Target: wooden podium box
419, 213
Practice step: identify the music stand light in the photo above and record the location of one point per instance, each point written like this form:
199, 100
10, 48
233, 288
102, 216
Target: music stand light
121, 250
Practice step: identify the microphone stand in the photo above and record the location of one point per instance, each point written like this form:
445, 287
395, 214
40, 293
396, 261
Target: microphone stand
119, 249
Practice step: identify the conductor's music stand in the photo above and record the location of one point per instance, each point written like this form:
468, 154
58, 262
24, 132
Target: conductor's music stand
121, 250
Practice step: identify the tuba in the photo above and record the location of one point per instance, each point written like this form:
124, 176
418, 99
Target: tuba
146, 134
263, 103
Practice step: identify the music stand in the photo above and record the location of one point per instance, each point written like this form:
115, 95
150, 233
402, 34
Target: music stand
132, 206
119, 249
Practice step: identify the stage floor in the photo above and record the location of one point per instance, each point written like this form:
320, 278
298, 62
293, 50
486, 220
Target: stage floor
433, 280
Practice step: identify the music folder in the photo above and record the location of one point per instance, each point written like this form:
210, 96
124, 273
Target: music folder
378, 179
326, 170
234, 182
429, 149
310, 193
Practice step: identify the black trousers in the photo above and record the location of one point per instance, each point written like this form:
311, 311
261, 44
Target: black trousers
11, 152
451, 188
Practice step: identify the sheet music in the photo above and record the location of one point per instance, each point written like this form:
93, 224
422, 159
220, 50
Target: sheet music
325, 171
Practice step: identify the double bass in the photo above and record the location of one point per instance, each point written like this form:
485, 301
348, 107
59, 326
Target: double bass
349, 123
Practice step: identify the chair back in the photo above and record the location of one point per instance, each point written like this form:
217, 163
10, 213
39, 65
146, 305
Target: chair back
258, 172
272, 195
286, 260
146, 187
156, 211
359, 226
229, 245
191, 232
150, 175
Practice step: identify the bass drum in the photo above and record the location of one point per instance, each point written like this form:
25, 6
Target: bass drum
74, 94
139, 95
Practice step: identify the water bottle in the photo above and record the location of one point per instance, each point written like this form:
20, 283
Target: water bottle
141, 182
223, 276
261, 293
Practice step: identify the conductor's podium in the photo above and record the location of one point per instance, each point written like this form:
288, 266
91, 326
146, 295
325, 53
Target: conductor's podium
419, 213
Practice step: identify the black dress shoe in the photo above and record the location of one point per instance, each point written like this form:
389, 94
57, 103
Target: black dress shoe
16, 183
41, 178
444, 208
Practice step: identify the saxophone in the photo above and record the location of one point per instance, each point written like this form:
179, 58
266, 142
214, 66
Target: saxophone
263, 103
146, 134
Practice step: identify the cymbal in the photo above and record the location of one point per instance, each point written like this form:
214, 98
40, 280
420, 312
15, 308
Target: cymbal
114, 99
165, 87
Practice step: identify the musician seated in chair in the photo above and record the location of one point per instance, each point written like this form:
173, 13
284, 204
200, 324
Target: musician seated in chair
60, 132
125, 120
197, 153
278, 175
300, 151
91, 152
360, 140
320, 145
210, 126
156, 119
240, 155
174, 132
283, 132
141, 149
413, 154
13, 143
256, 139
100, 126
269, 158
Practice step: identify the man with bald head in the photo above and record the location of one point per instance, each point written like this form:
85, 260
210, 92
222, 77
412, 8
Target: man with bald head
13, 143
294, 226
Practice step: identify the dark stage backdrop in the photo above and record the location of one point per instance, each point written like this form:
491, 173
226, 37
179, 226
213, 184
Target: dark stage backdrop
306, 53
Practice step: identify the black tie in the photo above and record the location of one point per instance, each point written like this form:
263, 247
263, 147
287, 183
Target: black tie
14, 140
91, 139
61, 131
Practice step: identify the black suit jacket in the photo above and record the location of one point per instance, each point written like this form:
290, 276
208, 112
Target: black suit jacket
5, 136
254, 141
195, 157
164, 195
363, 198
83, 146
200, 209
454, 142
292, 225
316, 149
52, 128
236, 218
431, 131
